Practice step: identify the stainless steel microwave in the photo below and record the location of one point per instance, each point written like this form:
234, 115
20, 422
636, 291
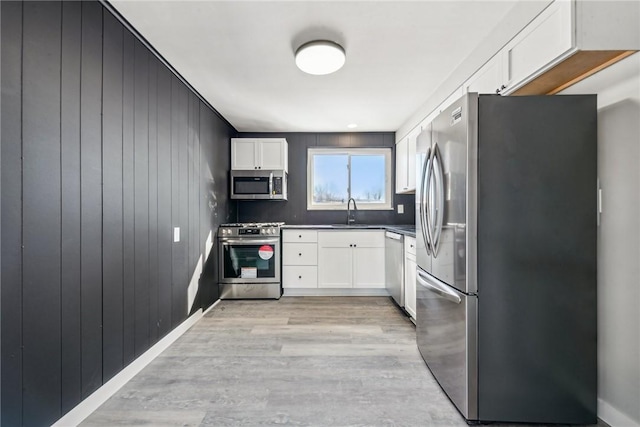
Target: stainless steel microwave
259, 184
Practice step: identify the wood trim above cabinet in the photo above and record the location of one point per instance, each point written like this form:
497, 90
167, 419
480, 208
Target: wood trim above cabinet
575, 68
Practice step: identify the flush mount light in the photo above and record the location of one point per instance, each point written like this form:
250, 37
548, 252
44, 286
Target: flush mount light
352, 125
320, 57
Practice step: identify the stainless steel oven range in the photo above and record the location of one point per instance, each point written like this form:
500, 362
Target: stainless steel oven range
249, 263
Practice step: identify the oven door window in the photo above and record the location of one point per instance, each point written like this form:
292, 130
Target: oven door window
249, 261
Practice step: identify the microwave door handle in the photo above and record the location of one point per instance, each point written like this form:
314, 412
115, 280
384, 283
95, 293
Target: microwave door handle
271, 185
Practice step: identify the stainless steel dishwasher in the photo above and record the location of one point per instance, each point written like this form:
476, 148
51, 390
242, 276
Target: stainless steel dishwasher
394, 266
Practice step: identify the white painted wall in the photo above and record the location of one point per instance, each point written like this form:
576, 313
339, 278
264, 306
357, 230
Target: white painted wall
618, 89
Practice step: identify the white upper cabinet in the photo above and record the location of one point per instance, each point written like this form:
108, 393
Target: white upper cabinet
487, 79
243, 154
567, 42
402, 150
405, 163
259, 153
451, 99
273, 154
547, 38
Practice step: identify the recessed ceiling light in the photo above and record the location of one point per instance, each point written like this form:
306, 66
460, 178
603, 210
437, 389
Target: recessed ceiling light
352, 125
320, 57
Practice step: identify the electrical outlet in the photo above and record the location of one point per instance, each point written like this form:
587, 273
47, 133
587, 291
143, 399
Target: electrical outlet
176, 234
400, 209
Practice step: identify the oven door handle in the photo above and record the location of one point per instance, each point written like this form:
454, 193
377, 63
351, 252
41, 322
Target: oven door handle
250, 241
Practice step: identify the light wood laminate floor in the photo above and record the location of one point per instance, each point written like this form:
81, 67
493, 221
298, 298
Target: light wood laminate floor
301, 361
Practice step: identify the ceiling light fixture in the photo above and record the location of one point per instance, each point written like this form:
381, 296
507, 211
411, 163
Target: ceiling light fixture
320, 57
352, 125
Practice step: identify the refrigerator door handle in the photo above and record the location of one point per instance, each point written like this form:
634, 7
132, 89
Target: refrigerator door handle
437, 288
437, 161
427, 200
423, 224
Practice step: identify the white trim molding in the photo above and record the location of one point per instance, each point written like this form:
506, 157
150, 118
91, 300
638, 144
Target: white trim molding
613, 416
335, 292
101, 395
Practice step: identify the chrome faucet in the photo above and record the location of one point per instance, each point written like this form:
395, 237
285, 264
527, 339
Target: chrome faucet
351, 218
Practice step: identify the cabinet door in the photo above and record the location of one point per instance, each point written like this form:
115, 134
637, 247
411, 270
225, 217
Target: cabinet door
334, 267
272, 154
401, 165
243, 154
411, 159
451, 99
368, 267
547, 38
410, 285
487, 79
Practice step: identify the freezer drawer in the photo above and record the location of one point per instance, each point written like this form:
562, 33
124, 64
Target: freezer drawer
446, 331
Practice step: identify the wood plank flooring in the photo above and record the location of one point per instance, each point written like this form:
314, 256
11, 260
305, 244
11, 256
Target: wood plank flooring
300, 361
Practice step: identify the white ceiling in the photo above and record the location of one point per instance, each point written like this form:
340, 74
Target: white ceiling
239, 56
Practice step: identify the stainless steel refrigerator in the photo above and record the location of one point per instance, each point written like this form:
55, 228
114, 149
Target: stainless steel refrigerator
506, 226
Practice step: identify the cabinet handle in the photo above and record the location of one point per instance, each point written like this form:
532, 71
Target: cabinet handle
299, 277
350, 246
411, 246
355, 246
299, 236
300, 254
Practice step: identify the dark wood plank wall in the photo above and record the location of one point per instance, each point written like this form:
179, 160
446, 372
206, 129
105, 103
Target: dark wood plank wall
104, 151
41, 212
11, 217
70, 132
91, 196
294, 210
112, 218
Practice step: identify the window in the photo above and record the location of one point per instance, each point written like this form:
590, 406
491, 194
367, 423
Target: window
336, 174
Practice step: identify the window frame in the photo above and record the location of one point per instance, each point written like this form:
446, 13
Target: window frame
388, 181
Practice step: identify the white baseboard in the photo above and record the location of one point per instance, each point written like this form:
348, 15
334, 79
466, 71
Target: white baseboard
613, 416
334, 292
210, 307
101, 395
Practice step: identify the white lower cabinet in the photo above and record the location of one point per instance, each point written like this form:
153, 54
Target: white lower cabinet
299, 259
335, 267
351, 259
368, 267
410, 276
299, 276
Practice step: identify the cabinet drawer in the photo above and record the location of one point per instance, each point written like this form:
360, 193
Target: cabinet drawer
300, 254
300, 236
340, 239
294, 276
410, 245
